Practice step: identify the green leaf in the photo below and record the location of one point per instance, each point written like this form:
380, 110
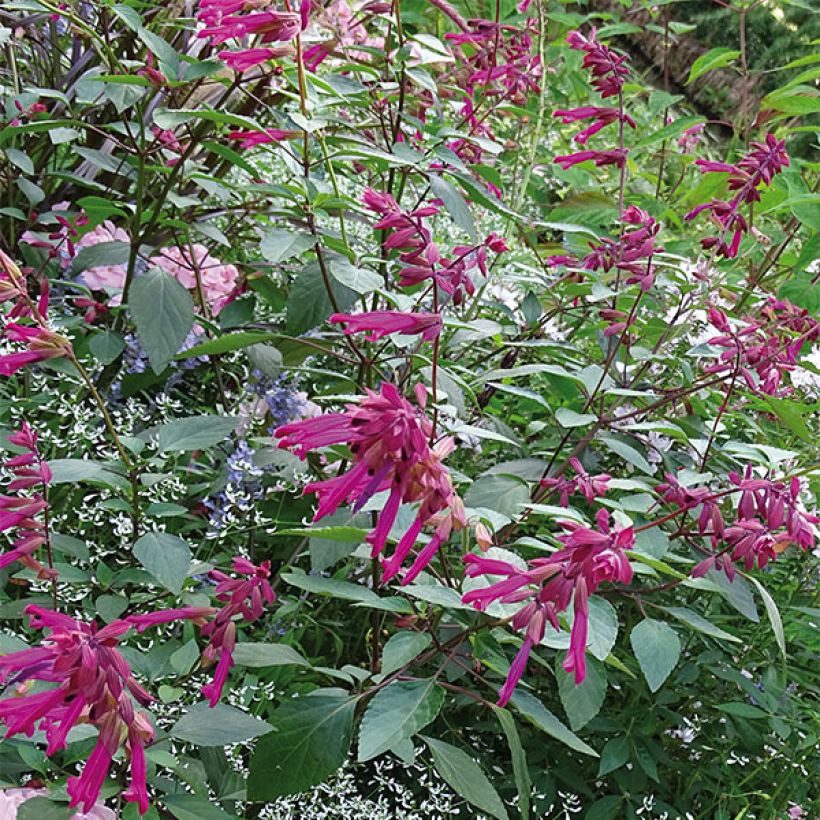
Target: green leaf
610, 807
402, 648
521, 770
256, 655
310, 741
465, 777
226, 343
455, 204
74, 470
278, 245
790, 413
21, 159
742, 710
569, 418
736, 592
534, 711
774, 615
167, 557
714, 58
670, 131
40, 808
502, 493
614, 755
581, 701
195, 433
103, 253
698, 622
193, 807
357, 279
221, 725
801, 290
628, 454
308, 301
657, 648
163, 312
396, 713
106, 346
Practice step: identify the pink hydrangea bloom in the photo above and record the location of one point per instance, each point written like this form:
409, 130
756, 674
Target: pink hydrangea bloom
108, 278
12, 799
219, 280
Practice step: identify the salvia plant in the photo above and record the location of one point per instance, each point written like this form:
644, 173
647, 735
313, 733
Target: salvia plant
409, 410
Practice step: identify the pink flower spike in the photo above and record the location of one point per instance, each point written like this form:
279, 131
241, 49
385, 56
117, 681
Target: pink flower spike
517, 668
576, 656
384, 322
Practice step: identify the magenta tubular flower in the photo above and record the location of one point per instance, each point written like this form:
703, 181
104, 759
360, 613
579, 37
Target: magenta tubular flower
607, 67
20, 513
588, 559
381, 323
600, 158
244, 597
42, 344
248, 58
250, 139
389, 442
760, 165
601, 117
93, 685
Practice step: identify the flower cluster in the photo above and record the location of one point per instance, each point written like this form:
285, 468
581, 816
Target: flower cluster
760, 165
609, 72
766, 348
769, 517
590, 486
420, 255
243, 597
94, 685
497, 58
589, 558
629, 256
20, 513
237, 19
389, 444
40, 343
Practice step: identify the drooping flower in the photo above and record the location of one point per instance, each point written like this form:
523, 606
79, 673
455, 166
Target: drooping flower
40, 342
381, 323
243, 597
690, 139
20, 513
247, 58
389, 441
571, 575
614, 156
766, 346
94, 685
